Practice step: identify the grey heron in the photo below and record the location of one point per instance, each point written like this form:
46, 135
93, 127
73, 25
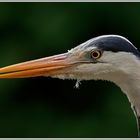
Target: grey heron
108, 57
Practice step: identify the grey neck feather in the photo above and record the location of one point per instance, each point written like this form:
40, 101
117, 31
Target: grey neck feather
132, 90
130, 85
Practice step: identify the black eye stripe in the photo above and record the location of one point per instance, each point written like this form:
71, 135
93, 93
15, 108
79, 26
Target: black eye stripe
113, 43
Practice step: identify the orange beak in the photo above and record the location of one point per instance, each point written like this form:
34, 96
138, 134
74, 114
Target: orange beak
47, 66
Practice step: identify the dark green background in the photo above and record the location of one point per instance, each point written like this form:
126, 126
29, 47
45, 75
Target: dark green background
45, 107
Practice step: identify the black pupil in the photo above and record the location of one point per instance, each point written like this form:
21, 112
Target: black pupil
95, 54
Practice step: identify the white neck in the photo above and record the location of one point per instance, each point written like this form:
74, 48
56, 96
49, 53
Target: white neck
129, 82
131, 87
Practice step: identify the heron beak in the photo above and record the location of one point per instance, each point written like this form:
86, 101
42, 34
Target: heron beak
47, 66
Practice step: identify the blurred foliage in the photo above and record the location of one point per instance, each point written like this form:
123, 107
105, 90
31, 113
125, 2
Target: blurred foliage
45, 107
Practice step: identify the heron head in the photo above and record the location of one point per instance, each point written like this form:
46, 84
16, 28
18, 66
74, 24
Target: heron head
103, 57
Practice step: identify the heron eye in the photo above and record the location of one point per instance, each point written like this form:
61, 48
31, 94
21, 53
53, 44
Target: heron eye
96, 54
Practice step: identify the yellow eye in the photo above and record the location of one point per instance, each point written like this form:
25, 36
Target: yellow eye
96, 54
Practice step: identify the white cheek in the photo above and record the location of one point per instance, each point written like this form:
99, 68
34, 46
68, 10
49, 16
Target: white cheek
91, 71
82, 72
123, 61
118, 58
